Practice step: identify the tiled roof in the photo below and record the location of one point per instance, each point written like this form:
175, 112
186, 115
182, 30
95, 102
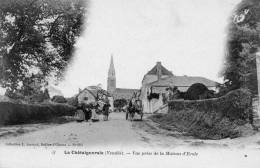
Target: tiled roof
124, 93
184, 81
94, 91
164, 71
126, 90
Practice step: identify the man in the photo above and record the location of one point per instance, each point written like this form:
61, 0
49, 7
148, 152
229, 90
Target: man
87, 111
106, 110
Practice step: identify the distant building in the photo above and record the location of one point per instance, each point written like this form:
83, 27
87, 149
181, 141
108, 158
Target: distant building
117, 93
93, 94
159, 78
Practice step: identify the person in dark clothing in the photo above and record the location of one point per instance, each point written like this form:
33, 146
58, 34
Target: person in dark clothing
106, 110
87, 112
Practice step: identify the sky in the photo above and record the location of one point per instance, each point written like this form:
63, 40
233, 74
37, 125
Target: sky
187, 36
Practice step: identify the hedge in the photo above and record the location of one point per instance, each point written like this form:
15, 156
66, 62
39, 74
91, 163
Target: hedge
58, 99
215, 118
17, 113
234, 105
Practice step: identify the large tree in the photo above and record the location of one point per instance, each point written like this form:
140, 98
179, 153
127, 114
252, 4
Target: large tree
242, 44
37, 38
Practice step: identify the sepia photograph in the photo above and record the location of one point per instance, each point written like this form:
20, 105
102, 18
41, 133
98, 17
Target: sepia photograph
129, 83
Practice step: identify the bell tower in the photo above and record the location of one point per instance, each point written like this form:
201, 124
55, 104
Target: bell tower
111, 79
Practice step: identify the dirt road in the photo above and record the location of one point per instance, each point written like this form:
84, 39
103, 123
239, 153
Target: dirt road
118, 132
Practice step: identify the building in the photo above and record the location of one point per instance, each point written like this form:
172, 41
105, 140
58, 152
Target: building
117, 93
159, 78
93, 94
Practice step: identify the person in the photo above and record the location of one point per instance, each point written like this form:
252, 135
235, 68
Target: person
87, 111
106, 110
80, 115
94, 112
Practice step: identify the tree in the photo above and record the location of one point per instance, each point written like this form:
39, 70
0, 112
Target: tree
195, 91
242, 44
58, 99
120, 103
37, 38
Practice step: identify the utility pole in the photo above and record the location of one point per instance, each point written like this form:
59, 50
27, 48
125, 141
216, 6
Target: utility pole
258, 81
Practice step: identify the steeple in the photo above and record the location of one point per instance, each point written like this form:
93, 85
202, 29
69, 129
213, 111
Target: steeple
111, 71
111, 79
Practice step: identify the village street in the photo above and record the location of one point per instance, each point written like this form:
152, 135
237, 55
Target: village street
117, 132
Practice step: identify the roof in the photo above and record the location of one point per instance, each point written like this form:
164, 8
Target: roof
164, 71
124, 93
126, 90
94, 91
184, 81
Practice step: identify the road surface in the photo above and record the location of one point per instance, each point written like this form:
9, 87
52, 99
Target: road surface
117, 132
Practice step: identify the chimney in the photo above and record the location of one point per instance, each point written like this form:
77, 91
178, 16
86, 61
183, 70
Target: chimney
159, 69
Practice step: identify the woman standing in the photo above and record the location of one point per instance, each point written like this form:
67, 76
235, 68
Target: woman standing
94, 112
80, 115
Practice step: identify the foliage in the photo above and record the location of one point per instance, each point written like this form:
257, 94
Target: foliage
73, 101
234, 105
15, 113
37, 96
58, 99
120, 103
242, 44
195, 90
215, 118
37, 37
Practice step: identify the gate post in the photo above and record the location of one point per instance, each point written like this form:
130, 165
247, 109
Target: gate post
258, 82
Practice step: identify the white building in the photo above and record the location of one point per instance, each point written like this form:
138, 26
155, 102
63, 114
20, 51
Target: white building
158, 79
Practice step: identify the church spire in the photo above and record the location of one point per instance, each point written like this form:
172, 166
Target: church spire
111, 71
111, 80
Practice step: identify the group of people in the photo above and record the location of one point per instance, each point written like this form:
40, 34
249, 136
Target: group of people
86, 112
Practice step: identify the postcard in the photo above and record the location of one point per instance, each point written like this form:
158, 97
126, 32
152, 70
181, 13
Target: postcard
129, 83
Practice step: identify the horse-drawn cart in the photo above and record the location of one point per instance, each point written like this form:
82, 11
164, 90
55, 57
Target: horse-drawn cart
134, 106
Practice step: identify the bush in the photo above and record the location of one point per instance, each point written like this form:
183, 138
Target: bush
36, 97
234, 105
14, 113
195, 90
211, 118
73, 101
59, 99
120, 103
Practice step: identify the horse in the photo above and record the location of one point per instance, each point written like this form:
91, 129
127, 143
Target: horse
134, 106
